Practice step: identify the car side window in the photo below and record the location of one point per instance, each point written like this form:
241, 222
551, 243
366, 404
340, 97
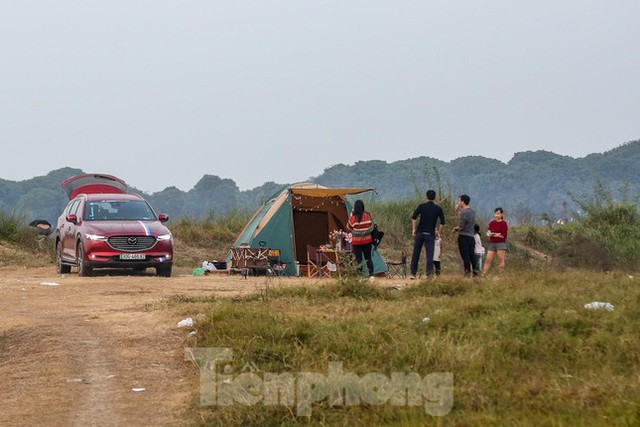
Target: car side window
74, 208
67, 209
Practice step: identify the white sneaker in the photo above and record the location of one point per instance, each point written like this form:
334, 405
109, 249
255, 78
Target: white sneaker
371, 278
412, 278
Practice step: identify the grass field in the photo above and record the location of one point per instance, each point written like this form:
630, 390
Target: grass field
522, 348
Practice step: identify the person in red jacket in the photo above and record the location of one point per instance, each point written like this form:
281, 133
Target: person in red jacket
361, 224
497, 232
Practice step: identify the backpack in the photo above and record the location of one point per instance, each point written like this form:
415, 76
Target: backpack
376, 235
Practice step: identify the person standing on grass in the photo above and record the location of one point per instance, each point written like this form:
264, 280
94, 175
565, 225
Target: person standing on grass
425, 231
479, 249
437, 251
497, 232
361, 224
466, 242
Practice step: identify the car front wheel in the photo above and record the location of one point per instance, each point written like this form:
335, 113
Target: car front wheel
164, 271
83, 269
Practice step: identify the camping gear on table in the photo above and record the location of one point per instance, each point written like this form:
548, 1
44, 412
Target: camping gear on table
255, 260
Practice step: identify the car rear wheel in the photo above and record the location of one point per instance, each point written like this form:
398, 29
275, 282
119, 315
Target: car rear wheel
83, 269
164, 271
60, 267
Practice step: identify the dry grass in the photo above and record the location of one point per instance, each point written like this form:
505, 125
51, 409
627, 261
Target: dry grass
12, 254
522, 348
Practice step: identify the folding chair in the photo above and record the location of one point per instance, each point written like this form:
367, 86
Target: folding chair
399, 268
317, 262
275, 266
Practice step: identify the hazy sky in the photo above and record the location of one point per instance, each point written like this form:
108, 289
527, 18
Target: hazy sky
162, 92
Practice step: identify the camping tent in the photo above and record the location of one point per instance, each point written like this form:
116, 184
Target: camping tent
300, 215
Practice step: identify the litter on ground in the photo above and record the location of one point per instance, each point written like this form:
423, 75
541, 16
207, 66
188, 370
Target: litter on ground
186, 323
209, 266
50, 284
597, 305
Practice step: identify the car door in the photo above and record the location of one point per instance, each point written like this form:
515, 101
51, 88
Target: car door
70, 229
64, 229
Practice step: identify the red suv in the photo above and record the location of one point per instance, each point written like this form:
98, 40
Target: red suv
102, 227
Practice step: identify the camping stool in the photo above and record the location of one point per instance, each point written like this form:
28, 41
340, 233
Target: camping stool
275, 266
399, 268
278, 269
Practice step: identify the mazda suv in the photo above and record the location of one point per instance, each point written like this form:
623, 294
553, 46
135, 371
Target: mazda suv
102, 227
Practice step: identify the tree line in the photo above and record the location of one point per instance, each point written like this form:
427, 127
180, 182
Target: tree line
533, 185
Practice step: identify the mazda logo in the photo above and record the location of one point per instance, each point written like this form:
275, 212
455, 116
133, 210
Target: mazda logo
132, 240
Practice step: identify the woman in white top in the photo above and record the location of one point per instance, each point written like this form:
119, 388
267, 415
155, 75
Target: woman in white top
479, 249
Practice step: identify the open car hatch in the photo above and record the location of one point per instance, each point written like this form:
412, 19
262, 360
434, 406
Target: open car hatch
91, 183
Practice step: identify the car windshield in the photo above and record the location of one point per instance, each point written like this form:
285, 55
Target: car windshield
118, 210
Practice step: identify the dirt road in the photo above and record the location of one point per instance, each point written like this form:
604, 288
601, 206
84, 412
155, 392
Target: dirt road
73, 349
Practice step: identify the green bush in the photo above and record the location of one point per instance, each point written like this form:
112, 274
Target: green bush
358, 288
604, 234
11, 228
211, 231
606, 231
28, 247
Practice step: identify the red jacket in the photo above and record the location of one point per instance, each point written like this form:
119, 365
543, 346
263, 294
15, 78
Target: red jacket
498, 227
361, 230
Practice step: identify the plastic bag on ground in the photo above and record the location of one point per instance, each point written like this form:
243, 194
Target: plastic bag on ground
208, 266
186, 323
597, 305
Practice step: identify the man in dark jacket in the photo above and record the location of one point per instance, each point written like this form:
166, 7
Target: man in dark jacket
425, 231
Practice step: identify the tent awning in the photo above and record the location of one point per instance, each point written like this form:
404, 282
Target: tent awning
328, 192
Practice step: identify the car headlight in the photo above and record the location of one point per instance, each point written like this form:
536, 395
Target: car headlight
95, 237
164, 237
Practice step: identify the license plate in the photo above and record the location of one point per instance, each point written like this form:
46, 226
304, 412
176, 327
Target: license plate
132, 256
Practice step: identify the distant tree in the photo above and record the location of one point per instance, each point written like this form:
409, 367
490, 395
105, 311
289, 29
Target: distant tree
41, 203
531, 183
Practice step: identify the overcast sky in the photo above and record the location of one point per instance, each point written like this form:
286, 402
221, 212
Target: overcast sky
161, 93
